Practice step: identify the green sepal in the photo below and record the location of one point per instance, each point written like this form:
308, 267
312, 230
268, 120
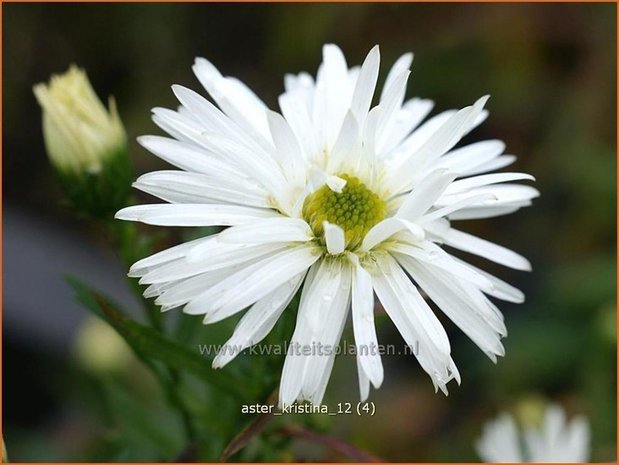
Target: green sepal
99, 195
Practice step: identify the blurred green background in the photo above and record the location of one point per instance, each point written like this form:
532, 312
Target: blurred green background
551, 72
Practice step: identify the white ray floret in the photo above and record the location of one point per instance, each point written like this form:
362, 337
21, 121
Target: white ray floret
338, 198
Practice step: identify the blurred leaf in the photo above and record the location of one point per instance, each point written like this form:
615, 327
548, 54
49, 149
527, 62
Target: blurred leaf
149, 343
143, 426
582, 286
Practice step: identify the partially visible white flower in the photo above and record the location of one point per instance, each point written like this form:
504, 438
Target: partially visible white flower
86, 143
340, 198
555, 440
80, 133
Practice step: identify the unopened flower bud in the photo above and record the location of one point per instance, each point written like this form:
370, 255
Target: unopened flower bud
85, 142
99, 349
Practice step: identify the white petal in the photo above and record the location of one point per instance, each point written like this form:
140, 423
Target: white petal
414, 319
425, 194
215, 256
475, 320
347, 143
471, 200
408, 118
579, 440
401, 64
450, 133
167, 255
555, 441
463, 185
334, 238
183, 187
474, 213
388, 228
499, 442
364, 382
332, 95
261, 167
319, 392
294, 364
493, 165
441, 141
433, 255
366, 83
173, 294
267, 231
505, 195
334, 62
193, 215
209, 117
181, 126
296, 113
327, 335
302, 81
500, 289
252, 283
369, 139
421, 135
319, 297
187, 156
233, 97
258, 321
494, 252
391, 102
287, 147
472, 156
363, 326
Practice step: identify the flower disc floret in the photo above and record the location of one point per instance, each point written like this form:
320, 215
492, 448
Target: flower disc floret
356, 209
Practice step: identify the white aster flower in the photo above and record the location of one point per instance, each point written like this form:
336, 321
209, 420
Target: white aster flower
555, 440
336, 196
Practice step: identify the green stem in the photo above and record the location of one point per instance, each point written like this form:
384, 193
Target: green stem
131, 248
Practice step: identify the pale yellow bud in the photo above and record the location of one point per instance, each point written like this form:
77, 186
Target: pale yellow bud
86, 143
99, 349
80, 133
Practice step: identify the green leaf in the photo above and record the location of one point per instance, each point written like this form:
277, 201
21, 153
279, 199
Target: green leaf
148, 343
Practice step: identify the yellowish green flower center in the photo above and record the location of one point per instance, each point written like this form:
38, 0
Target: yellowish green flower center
356, 209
